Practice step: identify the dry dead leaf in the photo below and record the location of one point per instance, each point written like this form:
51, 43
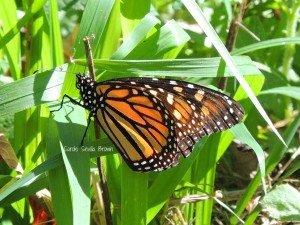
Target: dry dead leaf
8, 154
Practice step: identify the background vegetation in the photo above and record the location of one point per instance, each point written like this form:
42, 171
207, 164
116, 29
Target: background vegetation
214, 185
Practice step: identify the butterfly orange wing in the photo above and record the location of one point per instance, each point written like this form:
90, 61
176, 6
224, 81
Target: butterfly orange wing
154, 121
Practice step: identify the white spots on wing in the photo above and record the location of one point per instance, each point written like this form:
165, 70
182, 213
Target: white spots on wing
177, 88
190, 86
153, 92
161, 90
231, 110
173, 82
147, 86
199, 95
134, 91
170, 99
177, 114
225, 118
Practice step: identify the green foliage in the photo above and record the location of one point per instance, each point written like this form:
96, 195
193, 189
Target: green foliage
285, 208
153, 38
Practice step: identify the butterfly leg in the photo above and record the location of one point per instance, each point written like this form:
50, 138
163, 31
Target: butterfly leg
71, 100
86, 129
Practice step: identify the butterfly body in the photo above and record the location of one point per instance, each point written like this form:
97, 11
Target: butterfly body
154, 121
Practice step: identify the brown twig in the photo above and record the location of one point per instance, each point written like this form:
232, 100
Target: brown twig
286, 121
232, 34
89, 55
287, 164
103, 182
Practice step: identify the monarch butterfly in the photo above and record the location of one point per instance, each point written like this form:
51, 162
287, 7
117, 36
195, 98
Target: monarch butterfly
154, 121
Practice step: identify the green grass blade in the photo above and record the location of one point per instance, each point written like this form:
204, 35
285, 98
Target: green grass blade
55, 35
266, 44
132, 13
275, 155
71, 124
198, 15
203, 173
95, 21
46, 86
165, 182
293, 92
8, 19
241, 132
169, 37
35, 7
36, 90
32, 175
58, 180
33, 186
134, 196
204, 67
136, 36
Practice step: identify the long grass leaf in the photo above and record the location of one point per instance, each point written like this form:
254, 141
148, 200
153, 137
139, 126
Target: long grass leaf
198, 15
266, 44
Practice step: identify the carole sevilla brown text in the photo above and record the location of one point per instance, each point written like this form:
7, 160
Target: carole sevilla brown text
88, 148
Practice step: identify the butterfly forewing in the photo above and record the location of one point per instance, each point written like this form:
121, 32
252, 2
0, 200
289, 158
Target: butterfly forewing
154, 121
141, 127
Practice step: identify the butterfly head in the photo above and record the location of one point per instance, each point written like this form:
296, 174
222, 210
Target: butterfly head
86, 87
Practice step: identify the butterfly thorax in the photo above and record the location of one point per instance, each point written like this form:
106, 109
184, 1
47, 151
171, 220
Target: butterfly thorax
88, 94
